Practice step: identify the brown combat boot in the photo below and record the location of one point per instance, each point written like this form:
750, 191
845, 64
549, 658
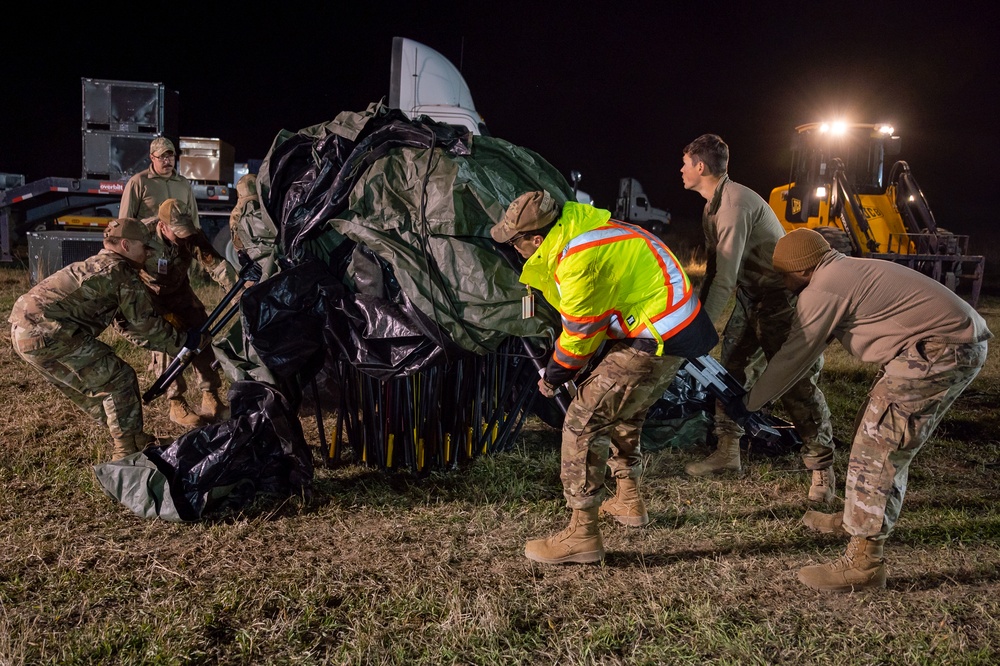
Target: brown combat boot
823, 482
725, 458
212, 408
861, 567
580, 542
122, 447
181, 414
144, 440
825, 523
626, 506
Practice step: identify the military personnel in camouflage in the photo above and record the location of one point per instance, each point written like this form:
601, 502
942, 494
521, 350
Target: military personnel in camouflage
930, 344
176, 245
55, 325
740, 233
146, 190
618, 287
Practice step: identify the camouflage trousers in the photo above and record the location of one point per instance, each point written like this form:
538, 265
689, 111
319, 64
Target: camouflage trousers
185, 311
604, 421
88, 372
762, 327
906, 403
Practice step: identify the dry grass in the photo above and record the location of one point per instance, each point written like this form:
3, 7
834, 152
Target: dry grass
388, 569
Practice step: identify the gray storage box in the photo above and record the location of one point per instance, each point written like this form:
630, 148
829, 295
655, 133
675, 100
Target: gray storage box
48, 251
113, 155
206, 160
129, 107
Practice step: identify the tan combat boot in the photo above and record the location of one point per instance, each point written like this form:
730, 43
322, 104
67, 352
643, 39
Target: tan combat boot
626, 506
825, 523
580, 542
212, 408
725, 458
181, 414
144, 440
823, 482
861, 567
122, 447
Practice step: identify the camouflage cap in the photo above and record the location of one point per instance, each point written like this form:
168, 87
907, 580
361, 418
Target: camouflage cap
528, 212
127, 227
175, 215
160, 145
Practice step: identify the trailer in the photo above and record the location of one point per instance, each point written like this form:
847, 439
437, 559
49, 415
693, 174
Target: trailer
61, 218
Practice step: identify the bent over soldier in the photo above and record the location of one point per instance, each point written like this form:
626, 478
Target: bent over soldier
55, 325
176, 245
930, 344
616, 285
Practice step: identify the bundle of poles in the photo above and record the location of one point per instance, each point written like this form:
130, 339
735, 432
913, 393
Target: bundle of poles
437, 418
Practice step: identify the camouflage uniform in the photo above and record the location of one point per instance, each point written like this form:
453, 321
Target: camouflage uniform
740, 233
166, 276
930, 344
610, 406
55, 325
763, 326
911, 395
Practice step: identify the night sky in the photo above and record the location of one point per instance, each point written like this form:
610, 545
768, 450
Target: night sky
608, 91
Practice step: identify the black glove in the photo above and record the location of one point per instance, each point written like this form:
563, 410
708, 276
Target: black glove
737, 411
193, 340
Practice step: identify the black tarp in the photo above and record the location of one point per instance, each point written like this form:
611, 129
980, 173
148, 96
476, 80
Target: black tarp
261, 449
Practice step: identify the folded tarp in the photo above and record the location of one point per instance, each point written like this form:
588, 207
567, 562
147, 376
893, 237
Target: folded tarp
260, 449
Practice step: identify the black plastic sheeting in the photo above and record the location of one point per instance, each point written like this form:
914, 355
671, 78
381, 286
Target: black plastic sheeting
261, 449
305, 195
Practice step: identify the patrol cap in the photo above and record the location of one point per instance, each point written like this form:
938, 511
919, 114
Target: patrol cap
160, 145
175, 216
127, 227
528, 212
799, 250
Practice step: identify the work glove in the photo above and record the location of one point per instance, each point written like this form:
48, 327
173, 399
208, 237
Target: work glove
196, 340
756, 424
737, 411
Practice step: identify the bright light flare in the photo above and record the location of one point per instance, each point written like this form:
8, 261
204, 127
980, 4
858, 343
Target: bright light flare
886, 129
835, 128
821, 192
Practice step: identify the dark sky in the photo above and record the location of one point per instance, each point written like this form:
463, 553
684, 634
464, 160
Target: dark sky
611, 89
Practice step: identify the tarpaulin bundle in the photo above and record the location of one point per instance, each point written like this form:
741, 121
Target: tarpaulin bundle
261, 449
400, 211
388, 282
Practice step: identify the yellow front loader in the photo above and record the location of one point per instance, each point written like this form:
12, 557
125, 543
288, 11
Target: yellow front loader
838, 186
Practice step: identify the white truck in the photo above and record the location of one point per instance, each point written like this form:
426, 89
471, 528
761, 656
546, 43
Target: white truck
424, 82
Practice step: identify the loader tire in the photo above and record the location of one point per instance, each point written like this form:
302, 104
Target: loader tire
837, 238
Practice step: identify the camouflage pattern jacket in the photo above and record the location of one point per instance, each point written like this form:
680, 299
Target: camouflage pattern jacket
82, 300
166, 270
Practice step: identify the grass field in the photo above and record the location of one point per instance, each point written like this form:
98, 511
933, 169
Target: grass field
383, 568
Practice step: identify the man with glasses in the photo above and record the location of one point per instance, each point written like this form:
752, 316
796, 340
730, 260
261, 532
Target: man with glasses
623, 298
146, 190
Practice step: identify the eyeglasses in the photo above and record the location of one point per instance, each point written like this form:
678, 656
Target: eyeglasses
513, 241
165, 157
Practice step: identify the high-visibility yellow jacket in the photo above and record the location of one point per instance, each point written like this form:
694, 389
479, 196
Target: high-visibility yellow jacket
608, 279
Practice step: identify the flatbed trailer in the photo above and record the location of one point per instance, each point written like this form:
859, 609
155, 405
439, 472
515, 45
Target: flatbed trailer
35, 206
